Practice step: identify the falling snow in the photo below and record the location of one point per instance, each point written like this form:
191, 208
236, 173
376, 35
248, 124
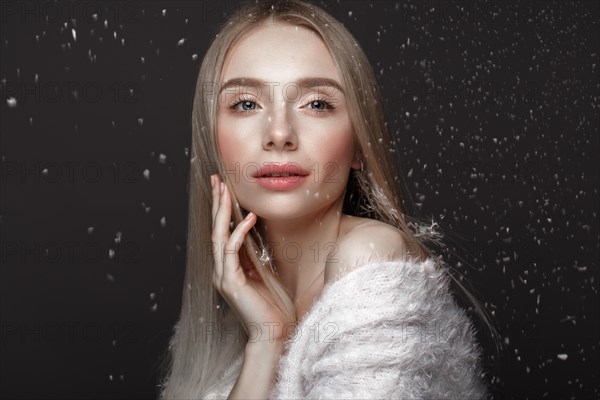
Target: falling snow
493, 115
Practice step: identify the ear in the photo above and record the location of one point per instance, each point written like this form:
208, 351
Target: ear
356, 164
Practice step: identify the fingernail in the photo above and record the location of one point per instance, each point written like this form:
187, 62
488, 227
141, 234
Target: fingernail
212, 181
222, 187
249, 215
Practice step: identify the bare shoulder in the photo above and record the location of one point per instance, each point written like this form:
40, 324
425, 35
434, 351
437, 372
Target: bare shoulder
364, 239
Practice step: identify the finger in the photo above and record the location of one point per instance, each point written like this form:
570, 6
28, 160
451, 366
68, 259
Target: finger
217, 243
215, 197
231, 252
221, 224
223, 215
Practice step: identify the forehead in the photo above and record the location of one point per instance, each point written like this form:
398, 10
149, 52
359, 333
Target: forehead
279, 52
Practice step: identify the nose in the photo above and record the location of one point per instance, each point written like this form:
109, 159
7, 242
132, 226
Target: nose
279, 133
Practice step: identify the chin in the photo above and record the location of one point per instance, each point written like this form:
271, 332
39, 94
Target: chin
286, 205
282, 214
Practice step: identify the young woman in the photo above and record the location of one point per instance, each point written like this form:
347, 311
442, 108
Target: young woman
303, 277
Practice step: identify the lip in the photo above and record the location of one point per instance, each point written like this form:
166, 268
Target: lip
285, 168
296, 178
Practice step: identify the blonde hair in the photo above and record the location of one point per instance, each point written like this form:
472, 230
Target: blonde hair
197, 359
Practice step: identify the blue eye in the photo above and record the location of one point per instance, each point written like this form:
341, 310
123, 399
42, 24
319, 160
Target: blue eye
246, 105
319, 105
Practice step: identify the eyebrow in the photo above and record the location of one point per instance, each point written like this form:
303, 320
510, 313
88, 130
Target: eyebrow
302, 83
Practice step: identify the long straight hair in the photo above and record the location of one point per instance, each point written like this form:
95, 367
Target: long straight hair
195, 357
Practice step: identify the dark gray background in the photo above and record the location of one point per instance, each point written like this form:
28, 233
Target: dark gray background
494, 109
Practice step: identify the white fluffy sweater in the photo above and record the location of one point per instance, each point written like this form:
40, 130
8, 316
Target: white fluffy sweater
385, 330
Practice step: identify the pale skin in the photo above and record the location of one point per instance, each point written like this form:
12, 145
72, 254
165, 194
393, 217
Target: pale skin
310, 127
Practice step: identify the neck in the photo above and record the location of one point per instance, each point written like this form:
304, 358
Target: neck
299, 246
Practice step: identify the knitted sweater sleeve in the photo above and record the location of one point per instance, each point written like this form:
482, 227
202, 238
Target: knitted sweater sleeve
385, 330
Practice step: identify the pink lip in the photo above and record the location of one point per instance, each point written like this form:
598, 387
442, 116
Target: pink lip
281, 182
296, 178
286, 168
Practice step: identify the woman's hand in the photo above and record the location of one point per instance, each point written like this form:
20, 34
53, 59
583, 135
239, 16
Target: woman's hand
250, 299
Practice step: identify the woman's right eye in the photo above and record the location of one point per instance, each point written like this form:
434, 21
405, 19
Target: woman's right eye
244, 105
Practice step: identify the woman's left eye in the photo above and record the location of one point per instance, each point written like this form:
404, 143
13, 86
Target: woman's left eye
319, 105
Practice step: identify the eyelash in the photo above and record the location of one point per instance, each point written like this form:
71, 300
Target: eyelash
328, 105
240, 99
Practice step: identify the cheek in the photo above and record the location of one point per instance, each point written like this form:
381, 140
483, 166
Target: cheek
334, 159
338, 148
227, 142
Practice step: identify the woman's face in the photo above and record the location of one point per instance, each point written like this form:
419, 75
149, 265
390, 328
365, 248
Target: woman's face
282, 101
